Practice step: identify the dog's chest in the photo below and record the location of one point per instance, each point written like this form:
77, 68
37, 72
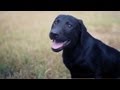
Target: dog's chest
77, 66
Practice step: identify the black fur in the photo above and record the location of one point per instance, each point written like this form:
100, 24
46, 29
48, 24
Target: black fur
85, 56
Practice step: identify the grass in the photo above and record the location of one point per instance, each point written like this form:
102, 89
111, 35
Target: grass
25, 48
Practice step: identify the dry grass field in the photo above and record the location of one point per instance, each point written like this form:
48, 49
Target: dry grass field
25, 47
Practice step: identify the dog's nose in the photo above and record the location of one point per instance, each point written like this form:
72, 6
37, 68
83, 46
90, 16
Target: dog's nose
53, 35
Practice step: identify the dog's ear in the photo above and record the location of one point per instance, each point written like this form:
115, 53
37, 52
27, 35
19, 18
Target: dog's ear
83, 32
82, 28
81, 25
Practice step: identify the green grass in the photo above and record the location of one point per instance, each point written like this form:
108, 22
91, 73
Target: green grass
25, 47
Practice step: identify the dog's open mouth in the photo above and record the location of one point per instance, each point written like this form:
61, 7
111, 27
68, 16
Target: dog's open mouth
58, 46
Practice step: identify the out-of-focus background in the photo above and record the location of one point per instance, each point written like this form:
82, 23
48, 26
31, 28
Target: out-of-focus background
25, 47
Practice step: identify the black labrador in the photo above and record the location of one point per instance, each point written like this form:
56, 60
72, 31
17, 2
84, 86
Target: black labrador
83, 55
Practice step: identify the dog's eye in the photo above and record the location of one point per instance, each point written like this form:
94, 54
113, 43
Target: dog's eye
69, 25
57, 21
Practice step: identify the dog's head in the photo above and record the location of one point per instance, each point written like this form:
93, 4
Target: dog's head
65, 32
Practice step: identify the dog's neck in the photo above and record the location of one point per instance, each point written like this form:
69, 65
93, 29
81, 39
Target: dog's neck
75, 56
81, 47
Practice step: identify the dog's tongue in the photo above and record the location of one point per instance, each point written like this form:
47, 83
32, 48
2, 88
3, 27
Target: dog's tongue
56, 45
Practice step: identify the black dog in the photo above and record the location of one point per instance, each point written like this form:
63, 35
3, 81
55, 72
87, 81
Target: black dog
83, 55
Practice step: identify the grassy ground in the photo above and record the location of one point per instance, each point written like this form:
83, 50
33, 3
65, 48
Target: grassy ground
25, 48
